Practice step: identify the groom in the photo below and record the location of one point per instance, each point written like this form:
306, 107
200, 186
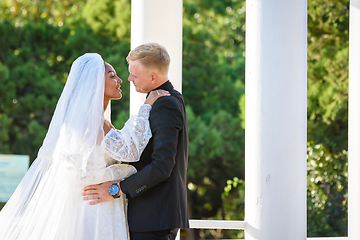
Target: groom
157, 192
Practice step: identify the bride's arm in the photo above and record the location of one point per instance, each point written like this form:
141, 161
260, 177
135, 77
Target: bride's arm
112, 173
127, 144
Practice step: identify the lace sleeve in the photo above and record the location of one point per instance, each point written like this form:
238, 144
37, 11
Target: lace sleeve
127, 144
115, 172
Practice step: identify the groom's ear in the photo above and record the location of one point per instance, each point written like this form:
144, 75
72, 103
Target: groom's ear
153, 77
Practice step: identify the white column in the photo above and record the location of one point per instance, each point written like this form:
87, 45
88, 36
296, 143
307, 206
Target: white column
158, 21
354, 122
275, 119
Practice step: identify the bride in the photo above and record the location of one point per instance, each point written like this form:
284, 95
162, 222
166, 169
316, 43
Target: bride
48, 203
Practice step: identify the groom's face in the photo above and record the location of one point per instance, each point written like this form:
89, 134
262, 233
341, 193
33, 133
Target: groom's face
140, 76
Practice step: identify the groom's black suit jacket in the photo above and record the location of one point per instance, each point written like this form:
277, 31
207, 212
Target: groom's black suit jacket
157, 192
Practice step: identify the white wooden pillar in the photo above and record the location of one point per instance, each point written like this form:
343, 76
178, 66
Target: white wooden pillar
354, 122
157, 21
275, 119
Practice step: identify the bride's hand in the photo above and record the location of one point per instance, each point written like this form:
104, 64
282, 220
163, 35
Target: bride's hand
154, 95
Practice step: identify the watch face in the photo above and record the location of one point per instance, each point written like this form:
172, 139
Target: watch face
114, 189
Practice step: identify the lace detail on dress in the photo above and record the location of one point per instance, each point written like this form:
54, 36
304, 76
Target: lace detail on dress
127, 144
115, 172
144, 111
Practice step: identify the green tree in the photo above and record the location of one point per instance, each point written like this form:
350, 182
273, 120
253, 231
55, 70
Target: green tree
213, 55
213, 83
328, 41
28, 91
111, 18
55, 12
327, 192
33, 69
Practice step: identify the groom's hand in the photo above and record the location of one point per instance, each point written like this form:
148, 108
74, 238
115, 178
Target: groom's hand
98, 193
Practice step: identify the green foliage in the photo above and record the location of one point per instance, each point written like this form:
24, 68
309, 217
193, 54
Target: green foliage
56, 12
234, 204
327, 192
213, 61
213, 82
5, 124
121, 118
214, 155
328, 41
111, 18
34, 66
105, 17
28, 92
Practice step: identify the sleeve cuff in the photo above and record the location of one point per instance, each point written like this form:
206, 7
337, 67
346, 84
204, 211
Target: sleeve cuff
123, 189
144, 111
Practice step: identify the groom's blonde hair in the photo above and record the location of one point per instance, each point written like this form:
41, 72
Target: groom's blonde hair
151, 55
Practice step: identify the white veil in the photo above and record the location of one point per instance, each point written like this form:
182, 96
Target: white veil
49, 197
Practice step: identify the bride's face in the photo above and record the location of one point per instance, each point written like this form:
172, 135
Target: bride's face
112, 84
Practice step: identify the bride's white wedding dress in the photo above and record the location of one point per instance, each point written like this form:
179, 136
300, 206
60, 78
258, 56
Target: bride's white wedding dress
47, 204
109, 218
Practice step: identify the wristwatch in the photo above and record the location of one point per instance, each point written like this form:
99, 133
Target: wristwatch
114, 190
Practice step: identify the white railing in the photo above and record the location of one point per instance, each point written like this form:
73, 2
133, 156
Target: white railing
217, 224
328, 238
237, 225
